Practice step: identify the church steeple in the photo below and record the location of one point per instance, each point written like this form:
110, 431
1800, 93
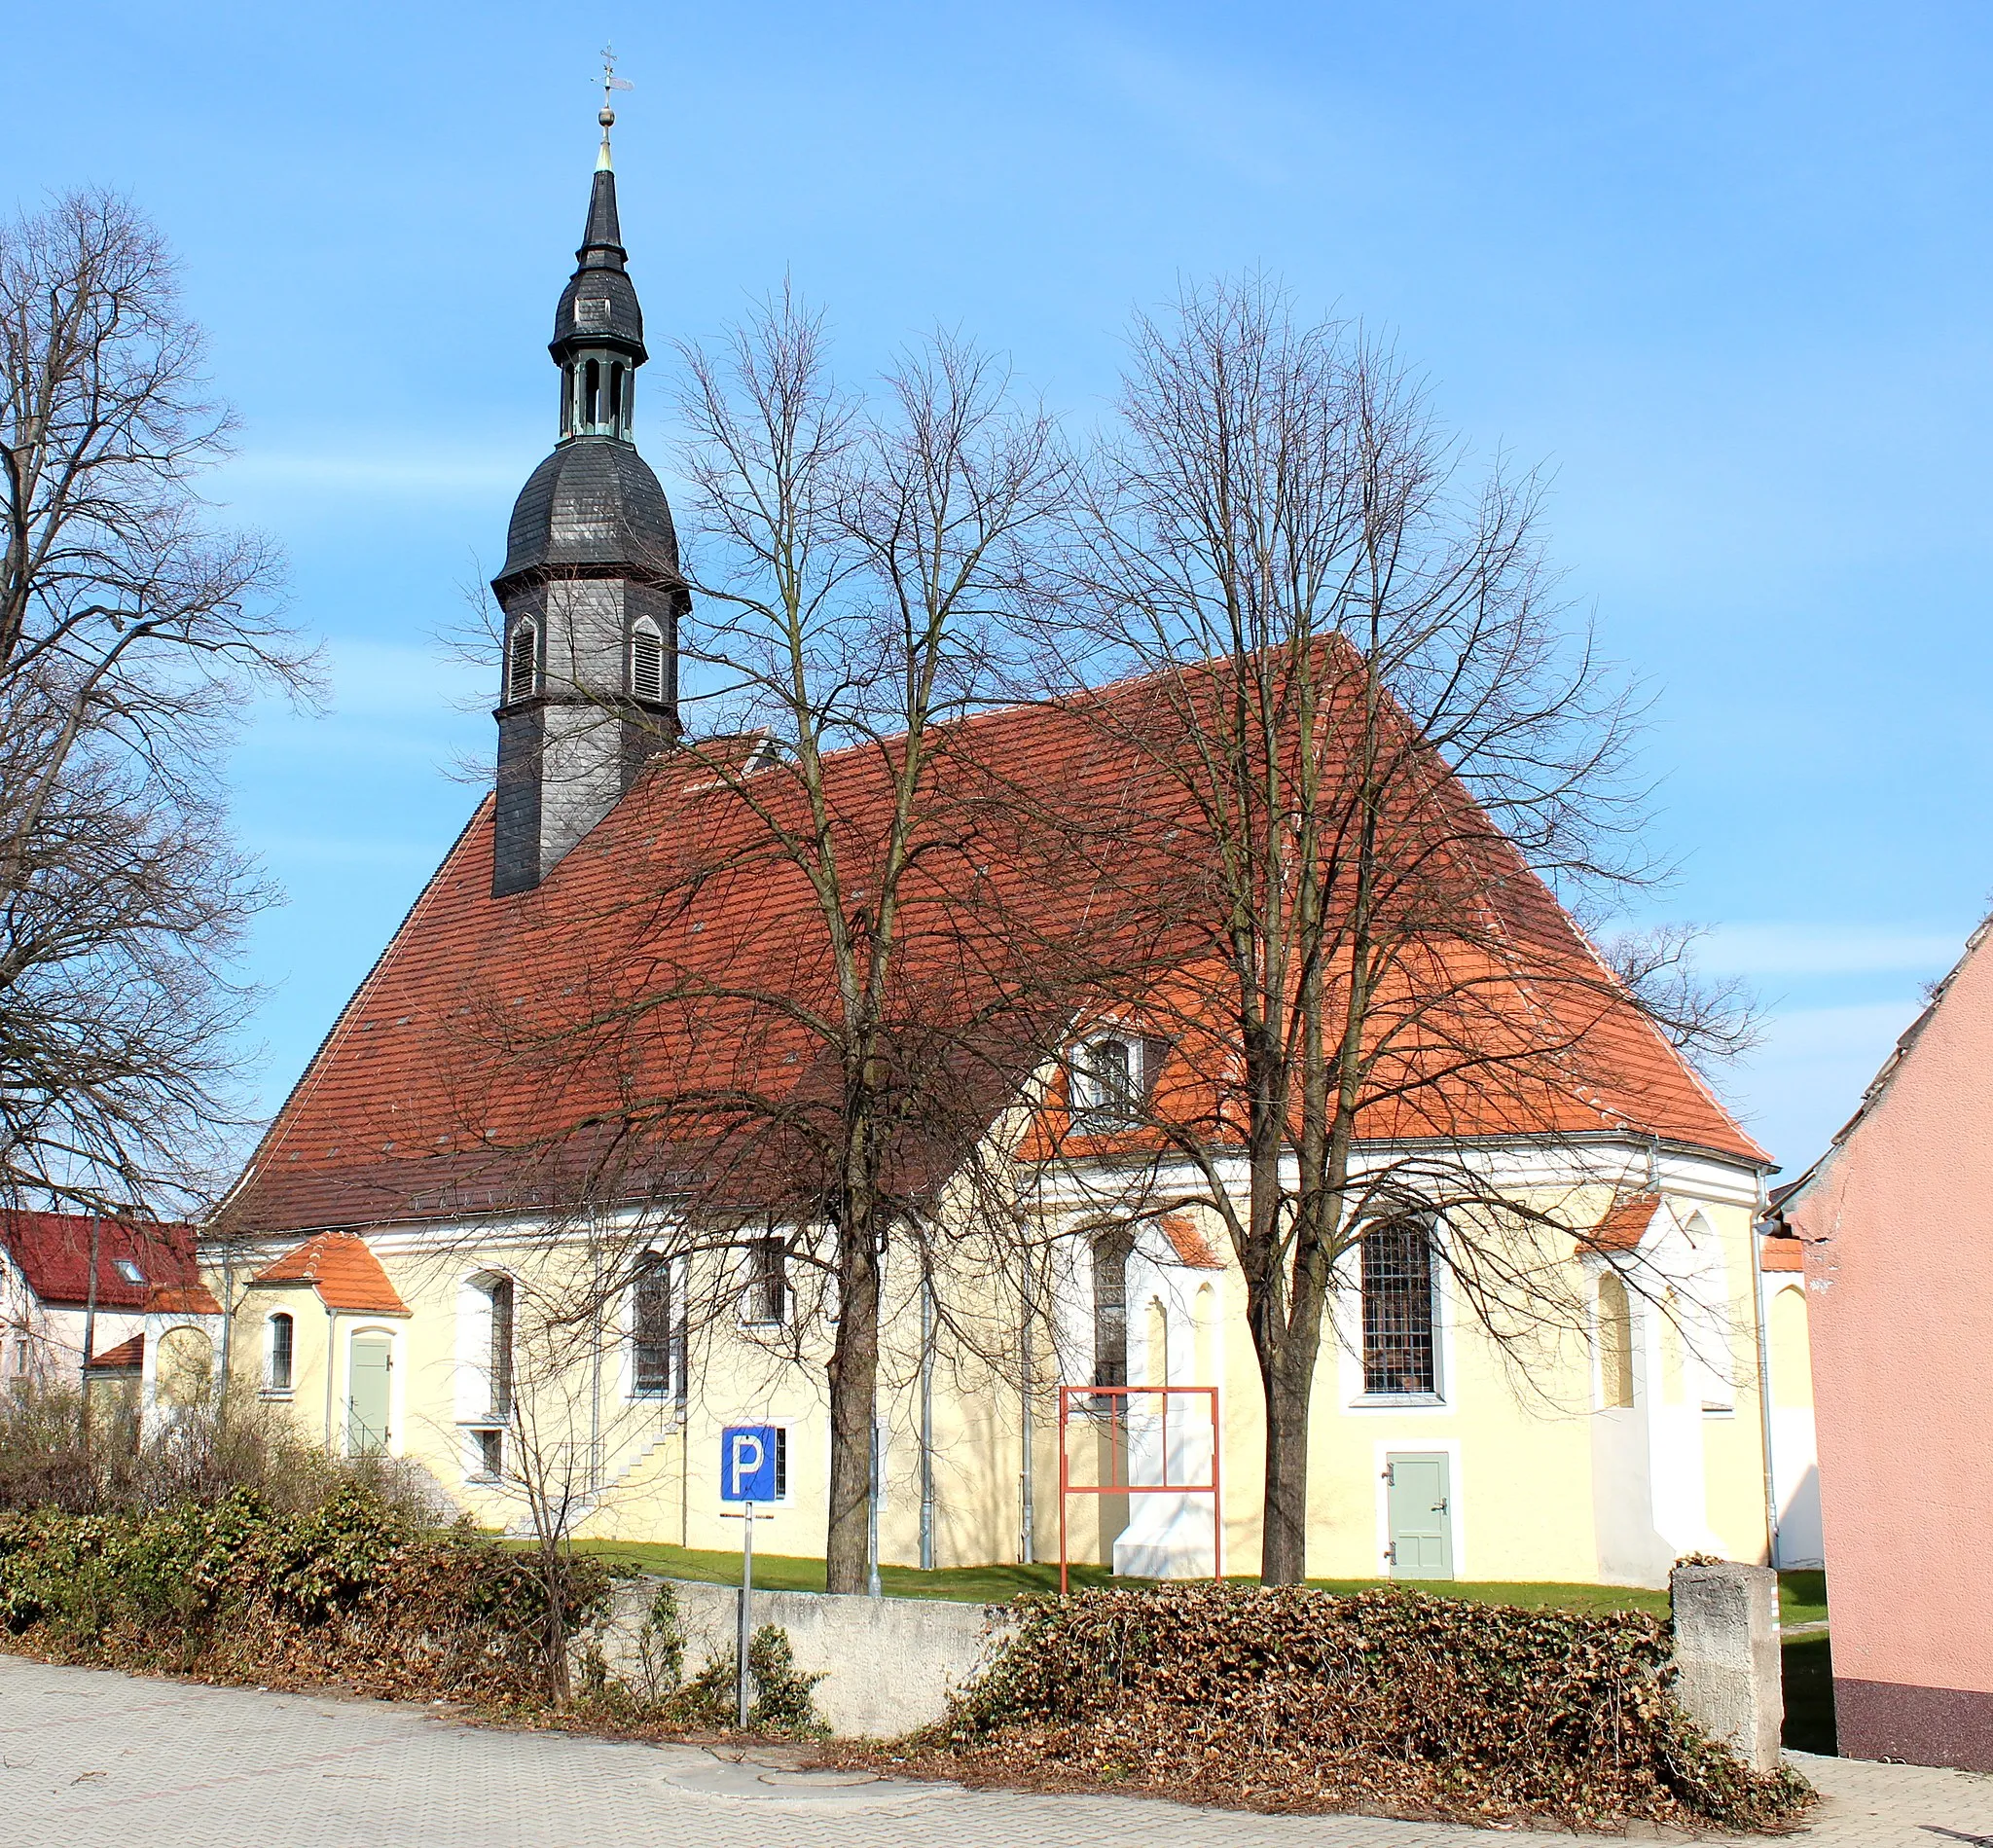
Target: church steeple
590, 589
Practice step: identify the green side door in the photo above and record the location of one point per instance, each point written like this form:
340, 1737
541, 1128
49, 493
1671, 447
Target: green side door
367, 1393
1419, 1502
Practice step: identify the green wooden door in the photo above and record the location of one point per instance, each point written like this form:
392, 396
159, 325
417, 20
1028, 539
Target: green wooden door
367, 1393
1419, 1499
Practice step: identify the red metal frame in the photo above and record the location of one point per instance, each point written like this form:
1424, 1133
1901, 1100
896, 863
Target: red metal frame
1116, 1453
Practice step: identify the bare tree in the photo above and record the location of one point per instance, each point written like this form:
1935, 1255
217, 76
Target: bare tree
1369, 744
132, 632
796, 1088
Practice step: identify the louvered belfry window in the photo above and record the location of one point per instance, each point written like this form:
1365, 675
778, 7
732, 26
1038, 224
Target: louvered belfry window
647, 663
1397, 1310
521, 663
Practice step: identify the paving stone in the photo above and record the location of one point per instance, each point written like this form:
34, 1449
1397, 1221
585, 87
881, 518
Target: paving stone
92, 1759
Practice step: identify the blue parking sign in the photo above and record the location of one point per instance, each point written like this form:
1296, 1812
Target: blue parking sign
747, 1463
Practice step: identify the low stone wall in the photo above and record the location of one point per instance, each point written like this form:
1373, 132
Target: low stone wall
890, 1663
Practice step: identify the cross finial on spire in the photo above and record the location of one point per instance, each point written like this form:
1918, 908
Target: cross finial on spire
611, 82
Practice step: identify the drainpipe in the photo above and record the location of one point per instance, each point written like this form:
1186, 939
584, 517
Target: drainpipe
927, 1424
331, 1349
1026, 1537
1771, 1487
228, 1320
599, 1322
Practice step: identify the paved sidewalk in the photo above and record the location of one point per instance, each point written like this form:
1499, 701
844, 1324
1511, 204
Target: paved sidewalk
88, 1757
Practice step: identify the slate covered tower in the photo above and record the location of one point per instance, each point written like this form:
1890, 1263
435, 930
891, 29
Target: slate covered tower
591, 591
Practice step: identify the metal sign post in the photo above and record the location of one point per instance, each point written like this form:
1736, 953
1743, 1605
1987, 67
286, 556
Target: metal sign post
746, 1477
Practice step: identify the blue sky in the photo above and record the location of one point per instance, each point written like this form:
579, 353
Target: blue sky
1722, 266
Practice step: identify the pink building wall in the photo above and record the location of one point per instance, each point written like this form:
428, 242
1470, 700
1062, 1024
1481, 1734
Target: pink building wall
1897, 1221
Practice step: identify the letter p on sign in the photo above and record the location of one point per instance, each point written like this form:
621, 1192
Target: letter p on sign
747, 1463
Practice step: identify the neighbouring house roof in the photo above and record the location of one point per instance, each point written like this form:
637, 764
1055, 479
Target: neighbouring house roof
51, 1251
1190, 1244
128, 1356
1780, 1253
1625, 1224
435, 1095
191, 1300
344, 1271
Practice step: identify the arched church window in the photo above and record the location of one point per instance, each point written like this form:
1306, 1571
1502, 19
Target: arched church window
522, 661
1110, 1253
283, 1332
647, 662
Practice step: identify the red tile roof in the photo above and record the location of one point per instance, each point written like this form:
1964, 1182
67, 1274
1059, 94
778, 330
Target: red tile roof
434, 1096
1625, 1224
1190, 1244
343, 1269
125, 1357
51, 1251
190, 1299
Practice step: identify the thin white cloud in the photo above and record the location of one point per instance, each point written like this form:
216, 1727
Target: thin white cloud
433, 473
1807, 1077
1829, 949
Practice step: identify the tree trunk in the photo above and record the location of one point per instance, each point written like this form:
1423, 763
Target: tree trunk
854, 1387
1288, 1384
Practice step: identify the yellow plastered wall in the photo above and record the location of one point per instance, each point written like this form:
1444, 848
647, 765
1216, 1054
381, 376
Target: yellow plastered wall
1520, 1448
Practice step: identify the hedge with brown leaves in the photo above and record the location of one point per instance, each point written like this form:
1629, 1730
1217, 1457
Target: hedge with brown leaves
1393, 1701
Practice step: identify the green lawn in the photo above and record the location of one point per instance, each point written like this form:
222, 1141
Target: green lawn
1802, 1597
986, 1584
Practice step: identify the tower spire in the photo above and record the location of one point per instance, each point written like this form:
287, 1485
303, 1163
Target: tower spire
591, 587
604, 160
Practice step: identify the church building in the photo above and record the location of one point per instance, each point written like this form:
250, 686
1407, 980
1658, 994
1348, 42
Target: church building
393, 1259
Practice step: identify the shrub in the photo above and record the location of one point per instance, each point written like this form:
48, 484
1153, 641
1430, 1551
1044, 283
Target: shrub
352, 1590
49, 1458
1291, 1698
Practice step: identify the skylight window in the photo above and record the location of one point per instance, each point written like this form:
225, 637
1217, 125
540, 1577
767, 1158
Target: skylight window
128, 1269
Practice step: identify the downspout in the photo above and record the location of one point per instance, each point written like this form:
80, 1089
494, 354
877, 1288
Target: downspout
331, 1350
228, 1321
1027, 1535
1771, 1487
927, 1424
594, 1383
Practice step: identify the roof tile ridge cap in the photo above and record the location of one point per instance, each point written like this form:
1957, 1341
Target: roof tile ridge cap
338, 1033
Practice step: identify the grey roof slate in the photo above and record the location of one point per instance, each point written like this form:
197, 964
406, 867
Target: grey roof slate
592, 504
598, 306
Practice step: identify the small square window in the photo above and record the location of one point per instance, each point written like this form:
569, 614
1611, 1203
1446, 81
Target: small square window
128, 1270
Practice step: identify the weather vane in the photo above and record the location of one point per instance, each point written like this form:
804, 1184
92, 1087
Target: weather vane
611, 82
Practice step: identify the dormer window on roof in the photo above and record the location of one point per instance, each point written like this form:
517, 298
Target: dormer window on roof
1108, 1081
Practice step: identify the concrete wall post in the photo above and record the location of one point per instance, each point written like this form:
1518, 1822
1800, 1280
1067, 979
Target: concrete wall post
1727, 1657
